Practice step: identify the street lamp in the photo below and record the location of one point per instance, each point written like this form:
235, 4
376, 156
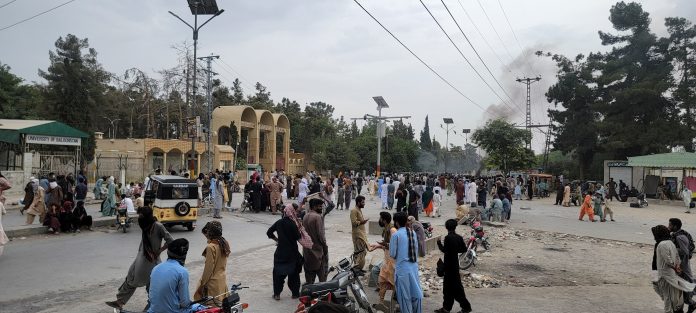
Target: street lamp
449, 125
198, 7
466, 132
381, 128
112, 129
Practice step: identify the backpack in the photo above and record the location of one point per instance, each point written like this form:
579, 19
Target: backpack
691, 240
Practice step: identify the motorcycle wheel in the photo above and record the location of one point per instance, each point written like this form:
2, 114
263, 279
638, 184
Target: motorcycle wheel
360, 295
466, 260
486, 245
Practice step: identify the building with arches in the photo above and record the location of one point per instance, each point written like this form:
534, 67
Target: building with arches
259, 137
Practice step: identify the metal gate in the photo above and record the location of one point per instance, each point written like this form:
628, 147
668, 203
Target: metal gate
56, 162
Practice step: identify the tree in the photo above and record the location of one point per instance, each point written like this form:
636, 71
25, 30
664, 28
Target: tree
425, 143
635, 77
237, 92
682, 50
17, 100
575, 124
261, 100
505, 145
76, 83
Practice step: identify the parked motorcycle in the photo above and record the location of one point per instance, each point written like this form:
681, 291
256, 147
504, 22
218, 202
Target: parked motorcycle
478, 237
428, 229
124, 221
336, 290
230, 302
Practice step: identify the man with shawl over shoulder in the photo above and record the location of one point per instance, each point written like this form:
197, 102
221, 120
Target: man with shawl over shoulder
403, 248
317, 258
153, 233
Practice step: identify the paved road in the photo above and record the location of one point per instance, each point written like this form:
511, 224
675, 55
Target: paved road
54, 273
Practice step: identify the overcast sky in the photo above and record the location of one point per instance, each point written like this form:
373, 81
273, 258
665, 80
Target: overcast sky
331, 51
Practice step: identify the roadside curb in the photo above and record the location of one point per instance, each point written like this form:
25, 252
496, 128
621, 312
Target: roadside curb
41, 230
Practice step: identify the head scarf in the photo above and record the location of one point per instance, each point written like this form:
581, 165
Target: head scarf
411, 241
111, 179
213, 230
292, 214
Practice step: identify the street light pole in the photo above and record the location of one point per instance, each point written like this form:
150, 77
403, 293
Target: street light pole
449, 126
195, 28
379, 118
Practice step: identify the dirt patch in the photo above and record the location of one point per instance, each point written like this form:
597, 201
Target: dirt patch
528, 258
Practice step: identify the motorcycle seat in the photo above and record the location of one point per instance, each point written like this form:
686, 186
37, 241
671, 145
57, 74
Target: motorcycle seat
319, 289
425, 225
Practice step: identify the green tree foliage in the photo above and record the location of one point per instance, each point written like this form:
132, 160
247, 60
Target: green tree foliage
425, 143
635, 77
682, 50
76, 83
17, 100
576, 121
638, 98
505, 145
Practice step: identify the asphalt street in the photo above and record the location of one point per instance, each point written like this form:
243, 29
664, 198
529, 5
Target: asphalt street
55, 273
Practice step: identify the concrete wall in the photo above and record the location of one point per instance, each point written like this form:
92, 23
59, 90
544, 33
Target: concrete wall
18, 180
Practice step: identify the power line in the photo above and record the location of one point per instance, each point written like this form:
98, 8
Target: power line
478, 30
477, 54
37, 15
6, 4
235, 74
465, 58
232, 68
514, 34
417, 57
495, 30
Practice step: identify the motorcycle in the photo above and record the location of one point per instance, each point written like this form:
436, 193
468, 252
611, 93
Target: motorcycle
124, 221
230, 303
336, 290
478, 237
428, 229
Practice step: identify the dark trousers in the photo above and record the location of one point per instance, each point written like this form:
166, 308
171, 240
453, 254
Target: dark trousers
85, 221
559, 198
453, 290
293, 283
413, 211
311, 276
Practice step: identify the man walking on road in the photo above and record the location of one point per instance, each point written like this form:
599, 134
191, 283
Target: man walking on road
684, 243
452, 287
317, 257
148, 256
358, 222
612, 190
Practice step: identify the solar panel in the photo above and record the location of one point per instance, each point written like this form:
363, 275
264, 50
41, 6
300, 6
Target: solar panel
203, 7
448, 120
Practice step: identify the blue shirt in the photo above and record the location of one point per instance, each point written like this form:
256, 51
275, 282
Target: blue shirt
213, 187
169, 289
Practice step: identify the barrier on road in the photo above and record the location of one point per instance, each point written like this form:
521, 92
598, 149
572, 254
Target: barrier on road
37, 229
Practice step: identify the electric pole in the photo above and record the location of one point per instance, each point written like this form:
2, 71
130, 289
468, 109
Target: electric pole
528, 119
209, 100
449, 122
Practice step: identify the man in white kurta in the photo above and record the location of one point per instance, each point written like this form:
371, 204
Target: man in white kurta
669, 285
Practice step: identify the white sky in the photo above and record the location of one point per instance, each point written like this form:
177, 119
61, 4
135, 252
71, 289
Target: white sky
331, 51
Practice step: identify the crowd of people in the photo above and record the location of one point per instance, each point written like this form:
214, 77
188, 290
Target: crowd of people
58, 201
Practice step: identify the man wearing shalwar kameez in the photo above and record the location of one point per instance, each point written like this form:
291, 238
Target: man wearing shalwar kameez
403, 247
384, 194
668, 286
153, 233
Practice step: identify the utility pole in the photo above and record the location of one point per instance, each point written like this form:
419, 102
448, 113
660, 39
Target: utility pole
209, 99
381, 127
449, 122
528, 119
548, 146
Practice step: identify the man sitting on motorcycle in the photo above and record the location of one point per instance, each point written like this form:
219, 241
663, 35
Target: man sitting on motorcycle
169, 283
